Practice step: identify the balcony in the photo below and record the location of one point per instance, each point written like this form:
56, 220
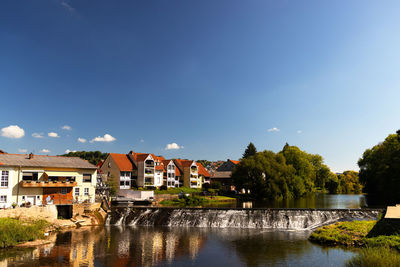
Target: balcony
48, 184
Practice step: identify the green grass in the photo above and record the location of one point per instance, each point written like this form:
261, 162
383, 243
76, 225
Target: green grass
375, 257
177, 190
14, 231
196, 200
357, 234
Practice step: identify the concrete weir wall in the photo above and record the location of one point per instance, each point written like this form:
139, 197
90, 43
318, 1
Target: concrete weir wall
48, 213
280, 219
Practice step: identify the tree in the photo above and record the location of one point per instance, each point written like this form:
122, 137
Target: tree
349, 183
250, 151
380, 169
93, 157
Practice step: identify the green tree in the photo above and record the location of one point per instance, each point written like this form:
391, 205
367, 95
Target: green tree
250, 151
332, 183
380, 169
349, 183
93, 157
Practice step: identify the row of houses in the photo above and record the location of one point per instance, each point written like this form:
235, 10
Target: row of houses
148, 170
40, 180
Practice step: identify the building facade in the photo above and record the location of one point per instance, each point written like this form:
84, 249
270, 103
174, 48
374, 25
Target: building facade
40, 180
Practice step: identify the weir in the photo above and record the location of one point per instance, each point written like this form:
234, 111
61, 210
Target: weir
279, 219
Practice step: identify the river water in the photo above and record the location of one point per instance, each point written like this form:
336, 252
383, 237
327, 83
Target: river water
187, 246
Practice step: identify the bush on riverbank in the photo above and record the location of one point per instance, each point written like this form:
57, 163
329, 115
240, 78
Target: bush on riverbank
177, 190
375, 257
14, 231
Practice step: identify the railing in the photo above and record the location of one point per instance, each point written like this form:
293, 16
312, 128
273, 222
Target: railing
48, 184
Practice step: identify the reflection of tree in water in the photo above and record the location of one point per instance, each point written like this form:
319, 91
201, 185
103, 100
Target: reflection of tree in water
256, 247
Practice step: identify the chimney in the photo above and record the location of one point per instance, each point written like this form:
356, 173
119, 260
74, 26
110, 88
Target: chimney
31, 156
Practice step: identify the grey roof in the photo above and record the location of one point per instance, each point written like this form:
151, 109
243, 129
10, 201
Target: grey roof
44, 161
220, 175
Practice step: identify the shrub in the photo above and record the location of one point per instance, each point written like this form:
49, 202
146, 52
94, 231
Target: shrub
14, 231
216, 185
163, 187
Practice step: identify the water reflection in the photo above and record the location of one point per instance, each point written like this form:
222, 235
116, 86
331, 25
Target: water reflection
163, 246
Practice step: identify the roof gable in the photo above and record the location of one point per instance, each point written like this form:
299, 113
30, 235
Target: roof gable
123, 162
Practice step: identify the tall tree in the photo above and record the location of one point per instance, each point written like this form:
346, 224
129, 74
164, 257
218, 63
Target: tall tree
250, 151
380, 169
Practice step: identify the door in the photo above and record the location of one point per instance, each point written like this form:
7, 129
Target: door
31, 199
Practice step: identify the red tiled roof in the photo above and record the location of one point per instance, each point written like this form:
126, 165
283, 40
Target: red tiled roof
202, 170
159, 168
184, 162
234, 161
123, 162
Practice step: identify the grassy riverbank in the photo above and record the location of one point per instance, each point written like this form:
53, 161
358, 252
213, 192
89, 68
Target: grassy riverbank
197, 201
379, 240
14, 231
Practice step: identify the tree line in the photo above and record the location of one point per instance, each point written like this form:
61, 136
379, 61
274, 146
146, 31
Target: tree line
290, 173
93, 157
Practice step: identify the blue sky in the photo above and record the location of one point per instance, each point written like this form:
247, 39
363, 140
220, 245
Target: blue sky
210, 76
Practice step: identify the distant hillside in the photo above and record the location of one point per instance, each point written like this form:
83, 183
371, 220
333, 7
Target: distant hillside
93, 157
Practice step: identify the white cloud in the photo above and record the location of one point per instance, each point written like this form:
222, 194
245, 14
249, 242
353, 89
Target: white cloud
82, 140
67, 6
274, 129
105, 138
299, 131
44, 150
22, 150
13, 131
173, 146
66, 127
142, 140
68, 151
53, 134
37, 135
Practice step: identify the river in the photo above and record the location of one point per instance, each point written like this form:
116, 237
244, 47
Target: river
186, 246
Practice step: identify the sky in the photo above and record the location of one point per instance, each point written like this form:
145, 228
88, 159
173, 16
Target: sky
199, 79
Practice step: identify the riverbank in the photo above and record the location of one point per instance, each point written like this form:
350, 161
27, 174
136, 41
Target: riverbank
379, 240
197, 201
16, 231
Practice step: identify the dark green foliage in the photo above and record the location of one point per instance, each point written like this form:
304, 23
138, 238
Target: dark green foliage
14, 231
112, 185
380, 169
290, 173
216, 185
204, 162
349, 183
93, 157
250, 151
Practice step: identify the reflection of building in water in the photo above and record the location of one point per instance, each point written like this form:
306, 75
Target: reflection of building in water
194, 245
170, 246
247, 205
123, 246
75, 248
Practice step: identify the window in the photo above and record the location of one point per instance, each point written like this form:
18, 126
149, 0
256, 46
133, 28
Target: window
3, 199
30, 176
76, 191
4, 179
109, 165
125, 180
63, 191
87, 178
86, 192
108, 174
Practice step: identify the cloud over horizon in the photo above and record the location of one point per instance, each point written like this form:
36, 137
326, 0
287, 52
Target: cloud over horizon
274, 129
12, 131
66, 127
53, 135
37, 135
82, 140
106, 138
44, 150
173, 146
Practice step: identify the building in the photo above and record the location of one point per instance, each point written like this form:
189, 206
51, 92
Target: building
171, 173
204, 175
223, 174
189, 173
37, 180
121, 169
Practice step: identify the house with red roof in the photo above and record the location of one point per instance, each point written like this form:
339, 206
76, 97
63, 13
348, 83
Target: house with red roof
121, 169
172, 174
204, 175
189, 173
223, 174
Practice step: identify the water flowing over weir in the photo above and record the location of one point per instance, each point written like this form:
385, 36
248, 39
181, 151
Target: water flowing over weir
280, 219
